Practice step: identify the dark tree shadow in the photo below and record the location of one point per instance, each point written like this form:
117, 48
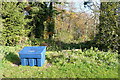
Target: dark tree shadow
12, 57
81, 45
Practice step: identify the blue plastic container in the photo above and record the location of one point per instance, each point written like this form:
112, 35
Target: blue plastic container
33, 55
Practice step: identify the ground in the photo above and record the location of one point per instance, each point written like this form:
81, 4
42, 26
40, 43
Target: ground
90, 63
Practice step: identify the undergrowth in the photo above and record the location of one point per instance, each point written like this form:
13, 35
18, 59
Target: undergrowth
75, 63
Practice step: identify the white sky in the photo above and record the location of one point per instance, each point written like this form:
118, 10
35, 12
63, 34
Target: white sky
79, 5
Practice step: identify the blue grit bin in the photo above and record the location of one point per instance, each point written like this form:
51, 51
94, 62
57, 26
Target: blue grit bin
32, 55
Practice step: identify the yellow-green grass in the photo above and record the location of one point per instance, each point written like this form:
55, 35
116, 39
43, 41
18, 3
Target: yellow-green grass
90, 63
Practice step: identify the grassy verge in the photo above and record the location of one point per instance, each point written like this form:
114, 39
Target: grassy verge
90, 63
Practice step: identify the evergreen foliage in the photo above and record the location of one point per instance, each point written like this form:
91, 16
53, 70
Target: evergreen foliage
109, 31
14, 23
45, 20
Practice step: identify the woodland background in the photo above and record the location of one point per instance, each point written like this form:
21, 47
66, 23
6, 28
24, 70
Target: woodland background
79, 44
49, 22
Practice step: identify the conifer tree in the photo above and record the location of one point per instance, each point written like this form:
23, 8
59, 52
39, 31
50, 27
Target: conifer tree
109, 29
14, 22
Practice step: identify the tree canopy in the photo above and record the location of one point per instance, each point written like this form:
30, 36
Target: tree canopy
23, 22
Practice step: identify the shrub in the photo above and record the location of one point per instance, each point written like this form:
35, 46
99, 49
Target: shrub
108, 27
14, 23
